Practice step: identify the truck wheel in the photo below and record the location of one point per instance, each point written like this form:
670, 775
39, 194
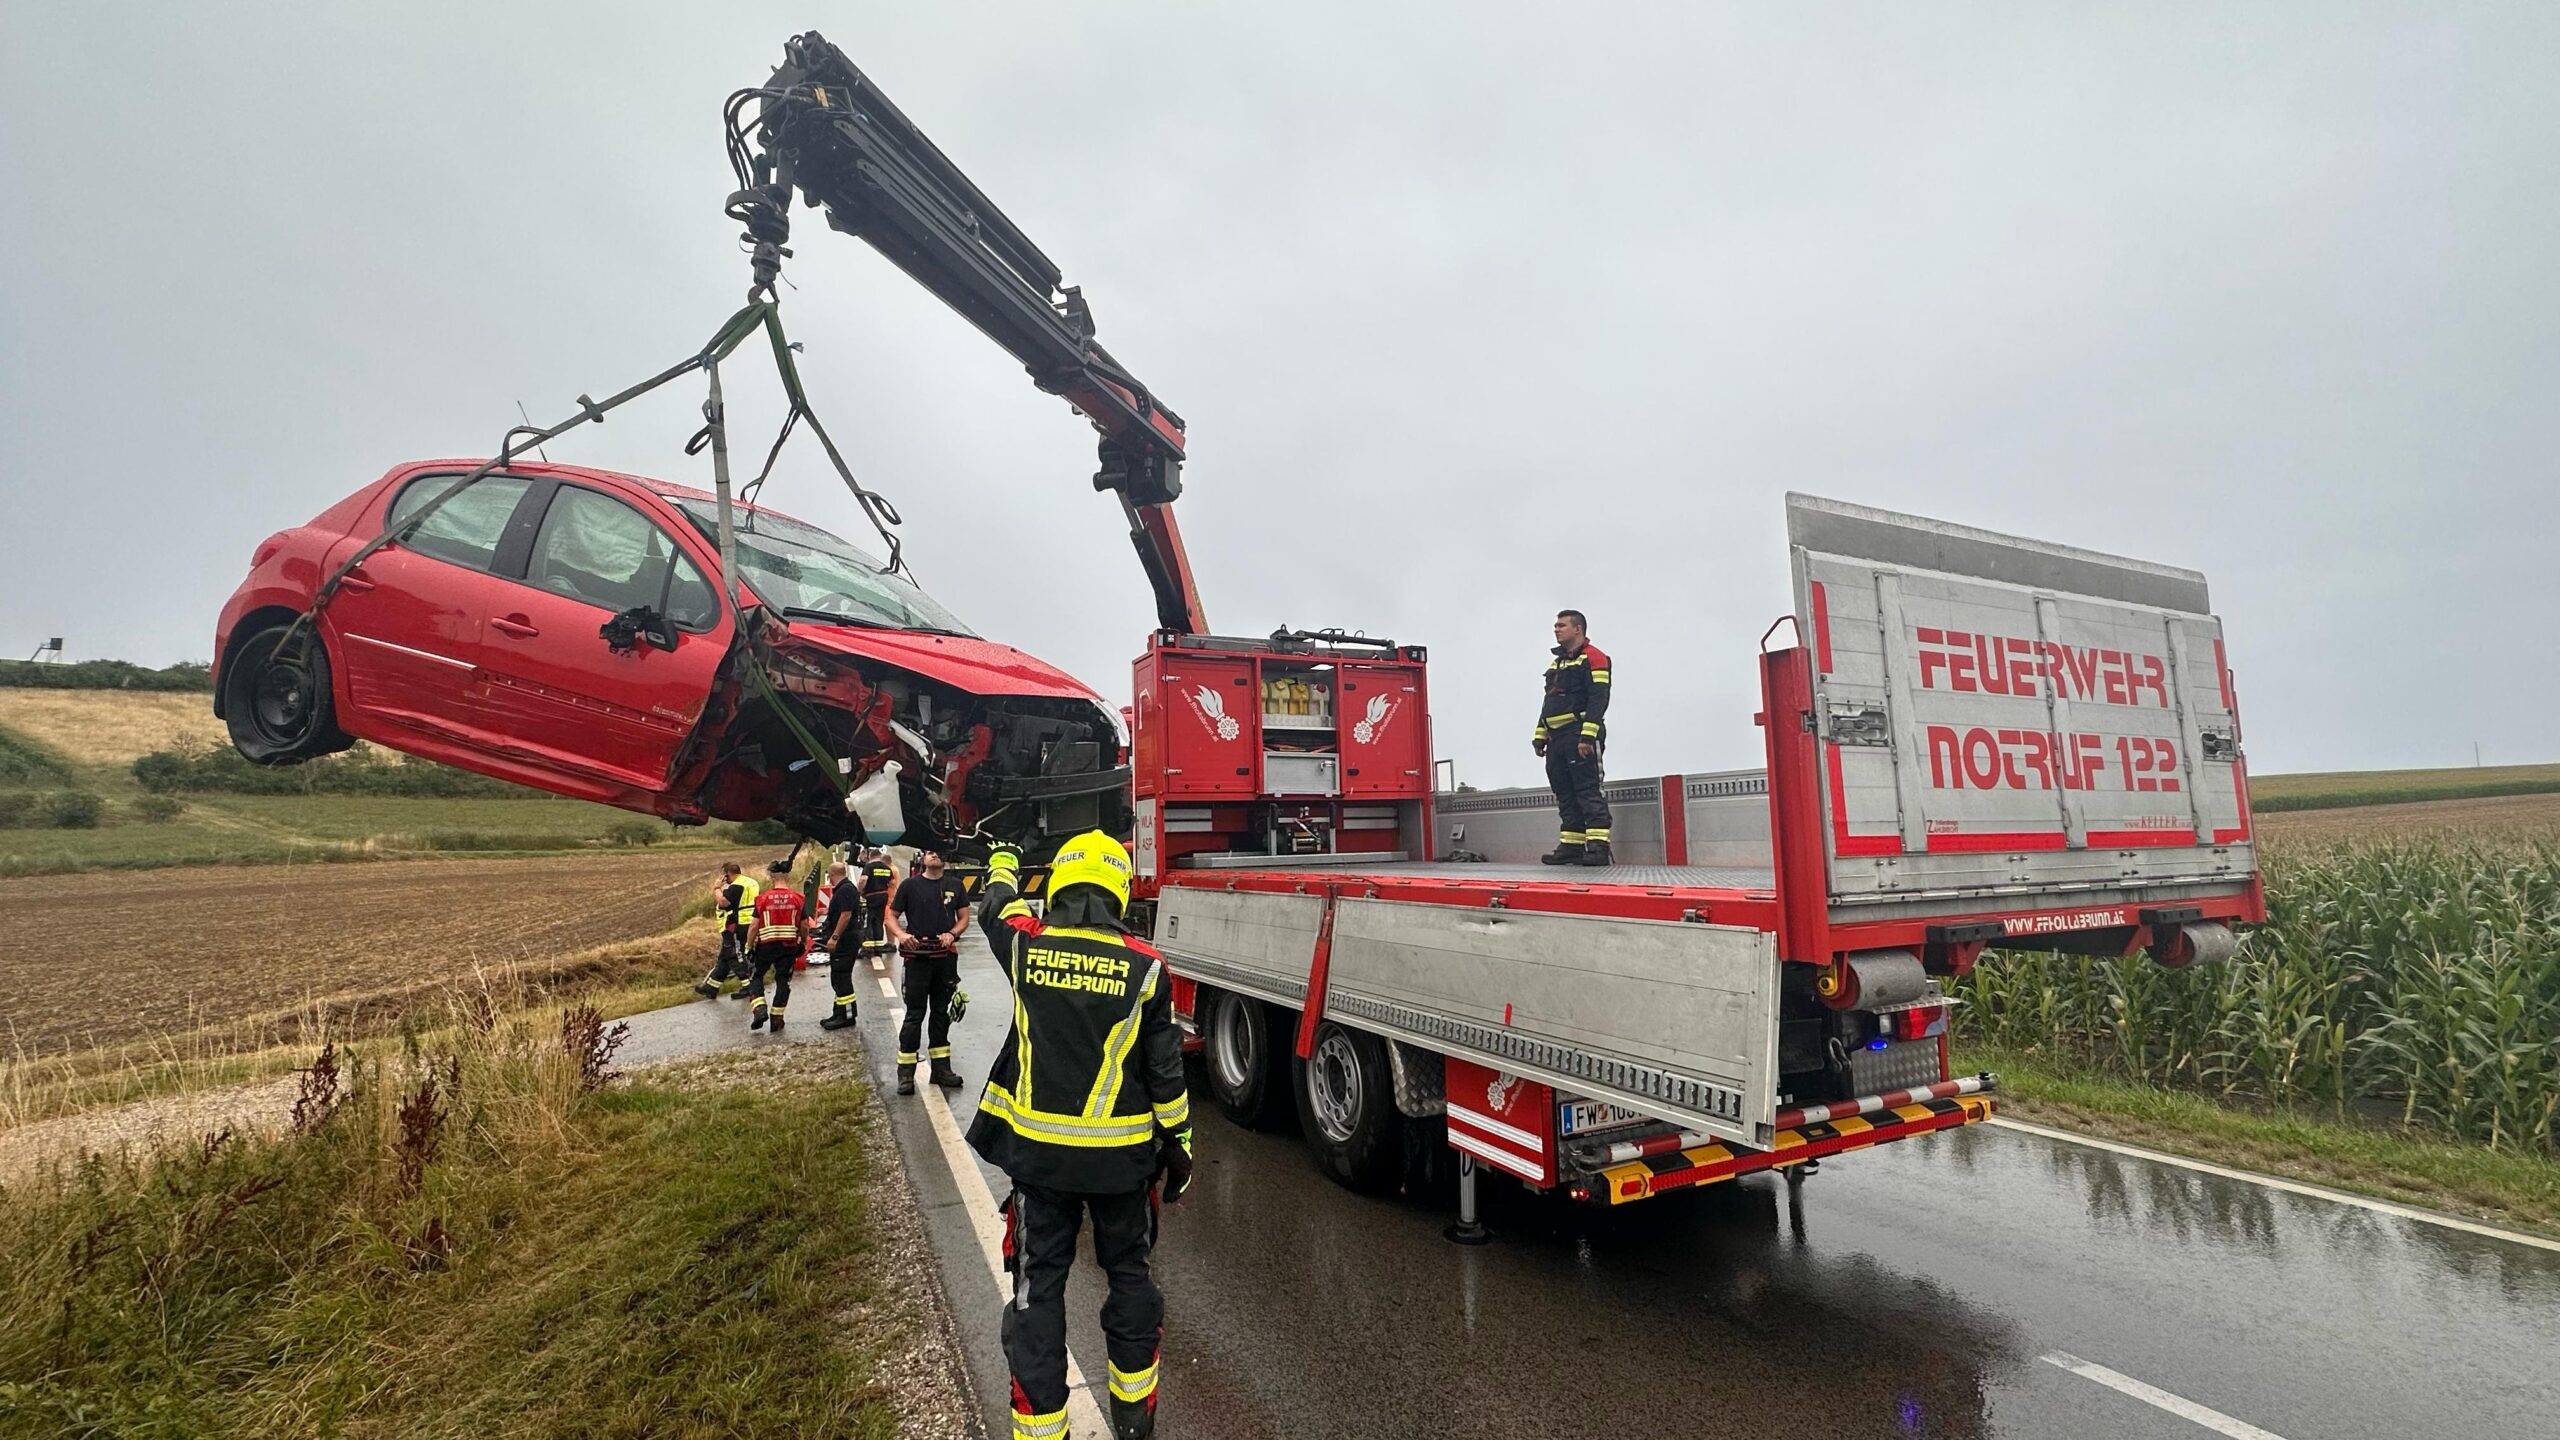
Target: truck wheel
276, 703
1347, 1105
1245, 1050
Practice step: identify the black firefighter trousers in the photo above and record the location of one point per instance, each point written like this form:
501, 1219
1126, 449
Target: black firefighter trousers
931, 978
1581, 812
1040, 1247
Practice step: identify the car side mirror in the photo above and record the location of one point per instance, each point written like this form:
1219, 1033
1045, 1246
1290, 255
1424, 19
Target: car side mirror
625, 631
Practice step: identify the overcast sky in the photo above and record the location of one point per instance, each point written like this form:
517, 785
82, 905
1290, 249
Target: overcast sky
1475, 311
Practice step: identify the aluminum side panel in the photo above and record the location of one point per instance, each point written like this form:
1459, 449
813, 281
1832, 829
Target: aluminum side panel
1676, 1020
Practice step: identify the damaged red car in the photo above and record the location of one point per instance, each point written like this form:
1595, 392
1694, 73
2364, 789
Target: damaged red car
563, 628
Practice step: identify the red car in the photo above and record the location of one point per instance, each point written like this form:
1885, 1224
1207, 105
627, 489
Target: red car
562, 628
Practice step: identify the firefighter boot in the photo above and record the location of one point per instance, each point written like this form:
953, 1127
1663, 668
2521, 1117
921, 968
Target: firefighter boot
757, 1013
945, 1076
906, 1079
1133, 1419
841, 1018
1567, 852
707, 990
1596, 852
777, 1022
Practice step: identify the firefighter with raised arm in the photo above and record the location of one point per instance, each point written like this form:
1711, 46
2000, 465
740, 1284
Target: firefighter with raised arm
1085, 1110
1571, 734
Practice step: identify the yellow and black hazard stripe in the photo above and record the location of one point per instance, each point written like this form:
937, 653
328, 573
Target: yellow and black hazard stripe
973, 880
1707, 1164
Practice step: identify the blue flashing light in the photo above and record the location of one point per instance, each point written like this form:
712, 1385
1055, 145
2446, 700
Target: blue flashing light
1877, 1043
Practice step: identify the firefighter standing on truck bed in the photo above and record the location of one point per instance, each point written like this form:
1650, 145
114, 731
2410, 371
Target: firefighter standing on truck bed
1571, 734
1085, 1110
926, 918
781, 933
735, 900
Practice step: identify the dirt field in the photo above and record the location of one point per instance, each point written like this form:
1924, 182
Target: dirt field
225, 956
2502, 819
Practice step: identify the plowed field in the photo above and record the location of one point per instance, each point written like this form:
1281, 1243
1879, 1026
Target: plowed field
101, 959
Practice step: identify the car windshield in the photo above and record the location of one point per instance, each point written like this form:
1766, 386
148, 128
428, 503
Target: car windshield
801, 567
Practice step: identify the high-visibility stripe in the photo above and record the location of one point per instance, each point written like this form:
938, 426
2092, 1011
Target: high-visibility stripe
938, 1052
1175, 1113
1570, 837
1599, 677
1600, 836
1014, 909
1133, 1385
1559, 719
1055, 1129
1116, 1047
907, 1057
1039, 1427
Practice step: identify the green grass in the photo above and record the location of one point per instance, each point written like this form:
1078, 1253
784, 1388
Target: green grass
366, 817
2510, 1189
2332, 790
472, 1244
24, 763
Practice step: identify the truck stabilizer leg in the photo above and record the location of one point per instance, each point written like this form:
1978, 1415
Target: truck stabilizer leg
1467, 1231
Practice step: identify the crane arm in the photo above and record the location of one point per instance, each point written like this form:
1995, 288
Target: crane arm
822, 127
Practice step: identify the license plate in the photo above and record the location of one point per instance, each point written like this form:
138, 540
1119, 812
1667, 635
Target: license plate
1577, 1117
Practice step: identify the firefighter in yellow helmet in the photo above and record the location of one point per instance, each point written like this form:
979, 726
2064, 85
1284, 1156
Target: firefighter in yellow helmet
1085, 1110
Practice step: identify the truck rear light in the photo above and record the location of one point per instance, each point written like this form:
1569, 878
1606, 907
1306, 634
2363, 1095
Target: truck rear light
1918, 1023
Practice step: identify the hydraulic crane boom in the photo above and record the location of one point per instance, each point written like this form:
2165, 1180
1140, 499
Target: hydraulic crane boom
821, 126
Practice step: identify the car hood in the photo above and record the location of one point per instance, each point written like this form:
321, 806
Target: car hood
981, 667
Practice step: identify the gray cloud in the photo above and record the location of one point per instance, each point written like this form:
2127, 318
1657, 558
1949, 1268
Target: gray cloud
1475, 311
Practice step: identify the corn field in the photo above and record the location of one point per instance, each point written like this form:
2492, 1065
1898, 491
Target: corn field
2415, 981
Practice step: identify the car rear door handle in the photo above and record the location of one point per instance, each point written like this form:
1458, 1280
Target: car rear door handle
517, 626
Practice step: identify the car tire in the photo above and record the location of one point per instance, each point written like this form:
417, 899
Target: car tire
1347, 1109
278, 704
1245, 1052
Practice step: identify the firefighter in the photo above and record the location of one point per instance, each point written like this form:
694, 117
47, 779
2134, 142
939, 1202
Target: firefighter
781, 933
736, 902
1085, 1110
878, 878
839, 941
1571, 734
926, 919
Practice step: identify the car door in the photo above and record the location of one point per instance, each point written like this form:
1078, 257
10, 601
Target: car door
404, 628
553, 682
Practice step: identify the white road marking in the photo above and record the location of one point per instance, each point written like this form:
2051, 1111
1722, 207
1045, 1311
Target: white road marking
2278, 1182
888, 989
1084, 1413
2178, 1405
879, 964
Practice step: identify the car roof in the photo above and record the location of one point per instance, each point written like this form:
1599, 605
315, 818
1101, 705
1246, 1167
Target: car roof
663, 489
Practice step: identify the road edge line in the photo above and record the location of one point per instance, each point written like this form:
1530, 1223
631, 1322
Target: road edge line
2157, 1398
2278, 1182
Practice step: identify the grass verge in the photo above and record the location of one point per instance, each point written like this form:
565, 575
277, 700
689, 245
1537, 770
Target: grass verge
462, 1241
2501, 1188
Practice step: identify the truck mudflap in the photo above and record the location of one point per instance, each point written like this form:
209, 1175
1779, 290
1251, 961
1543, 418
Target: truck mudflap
1706, 1164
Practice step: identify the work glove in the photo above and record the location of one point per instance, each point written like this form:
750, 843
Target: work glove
1539, 746
957, 1007
1173, 1164
1003, 862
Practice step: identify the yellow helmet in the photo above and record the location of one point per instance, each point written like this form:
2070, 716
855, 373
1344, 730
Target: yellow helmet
1092, 858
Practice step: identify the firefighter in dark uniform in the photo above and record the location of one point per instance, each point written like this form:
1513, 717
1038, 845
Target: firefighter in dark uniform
879, 877
1085, 1110
781, 933
840, 940
736, 902
1571, 734
927, 917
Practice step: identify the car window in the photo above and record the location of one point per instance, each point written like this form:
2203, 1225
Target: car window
594, 548
803, 567
691, 602
466, 528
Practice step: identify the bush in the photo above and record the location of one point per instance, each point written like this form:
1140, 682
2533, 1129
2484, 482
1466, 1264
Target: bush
158, 809
71, 810
632, 832
104, 675
17, 807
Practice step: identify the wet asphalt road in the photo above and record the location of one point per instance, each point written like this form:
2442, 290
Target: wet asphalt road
1910, 1290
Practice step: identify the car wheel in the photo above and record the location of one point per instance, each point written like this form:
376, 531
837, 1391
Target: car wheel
1245, 1049
1347, 1104
276, 700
